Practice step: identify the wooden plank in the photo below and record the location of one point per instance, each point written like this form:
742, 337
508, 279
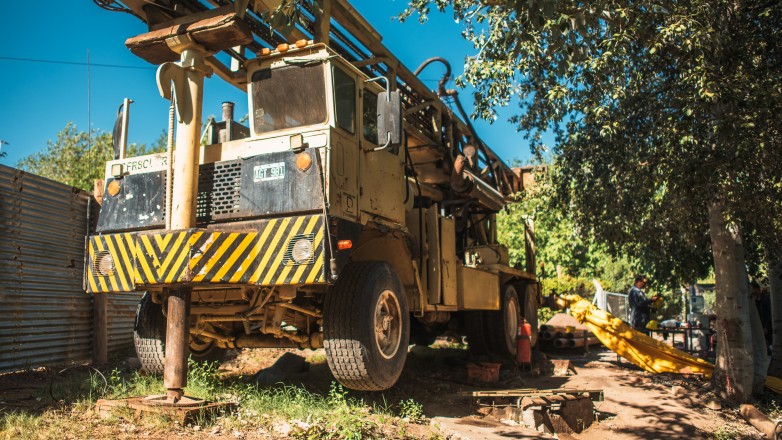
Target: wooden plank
100, 331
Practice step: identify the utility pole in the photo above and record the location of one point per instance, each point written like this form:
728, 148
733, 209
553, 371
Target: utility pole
2, 142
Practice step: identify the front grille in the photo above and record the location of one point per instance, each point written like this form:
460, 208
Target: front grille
226, 183
218, 190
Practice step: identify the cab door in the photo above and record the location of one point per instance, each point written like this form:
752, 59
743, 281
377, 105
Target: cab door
382, 184
344, 167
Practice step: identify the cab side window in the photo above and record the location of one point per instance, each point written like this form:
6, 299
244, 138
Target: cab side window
369, 127
345, 100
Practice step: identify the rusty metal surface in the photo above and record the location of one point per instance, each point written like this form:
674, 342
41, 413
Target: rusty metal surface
121, 310
45, 316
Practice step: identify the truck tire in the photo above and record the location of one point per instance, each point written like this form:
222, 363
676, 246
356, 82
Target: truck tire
530, 308
149, 337
366, 326
504, 324
475, 329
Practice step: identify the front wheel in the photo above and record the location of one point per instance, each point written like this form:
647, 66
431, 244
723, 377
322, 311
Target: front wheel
366, 327
149, 338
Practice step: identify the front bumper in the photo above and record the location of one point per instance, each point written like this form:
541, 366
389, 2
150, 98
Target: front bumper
141, 260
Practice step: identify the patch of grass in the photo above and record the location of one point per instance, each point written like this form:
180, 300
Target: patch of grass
726, 432
278, 411
317, 359
772, 408
122, 385
304, 414
19, 425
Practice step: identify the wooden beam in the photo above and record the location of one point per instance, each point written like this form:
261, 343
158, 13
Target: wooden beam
100, 331
192, 18
323, 21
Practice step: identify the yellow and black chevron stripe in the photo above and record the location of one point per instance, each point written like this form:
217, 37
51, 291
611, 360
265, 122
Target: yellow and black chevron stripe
260, 257
122, 250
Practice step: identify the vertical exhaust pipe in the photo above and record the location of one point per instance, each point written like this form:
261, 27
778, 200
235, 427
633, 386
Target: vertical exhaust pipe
228, 119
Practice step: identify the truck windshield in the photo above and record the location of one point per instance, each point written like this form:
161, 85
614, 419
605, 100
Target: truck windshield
288, 97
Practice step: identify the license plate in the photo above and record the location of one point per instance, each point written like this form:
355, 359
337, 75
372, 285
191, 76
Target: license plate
270, 171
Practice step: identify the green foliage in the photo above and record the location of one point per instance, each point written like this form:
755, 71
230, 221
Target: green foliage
545, 313
658, 110
411, 410
566, 253
727, 432
121, 385
582, 287
77, 159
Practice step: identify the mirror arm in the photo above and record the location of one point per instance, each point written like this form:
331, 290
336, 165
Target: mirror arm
388, 85
384, 146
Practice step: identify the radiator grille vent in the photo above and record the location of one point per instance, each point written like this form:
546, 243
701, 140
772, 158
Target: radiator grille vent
218, 190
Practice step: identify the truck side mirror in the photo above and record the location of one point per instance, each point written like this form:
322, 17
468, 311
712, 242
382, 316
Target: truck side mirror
389, 120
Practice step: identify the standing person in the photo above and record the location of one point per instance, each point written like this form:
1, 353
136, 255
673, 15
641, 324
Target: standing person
639, 304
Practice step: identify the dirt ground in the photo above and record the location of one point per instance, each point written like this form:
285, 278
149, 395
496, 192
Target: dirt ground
636, 405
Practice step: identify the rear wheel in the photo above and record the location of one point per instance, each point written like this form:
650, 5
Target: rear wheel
366, 327
477, 333
504, 324
530, 308
149, 337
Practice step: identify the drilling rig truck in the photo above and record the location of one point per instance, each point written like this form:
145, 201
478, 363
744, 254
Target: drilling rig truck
356, 212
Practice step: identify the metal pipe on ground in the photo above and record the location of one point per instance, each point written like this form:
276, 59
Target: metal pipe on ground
574, 343
578, 334
580, 342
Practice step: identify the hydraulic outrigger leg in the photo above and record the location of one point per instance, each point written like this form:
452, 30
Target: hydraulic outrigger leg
186, 79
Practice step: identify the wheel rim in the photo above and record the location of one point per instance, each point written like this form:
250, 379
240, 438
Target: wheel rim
388, 324
198, 346
512, 319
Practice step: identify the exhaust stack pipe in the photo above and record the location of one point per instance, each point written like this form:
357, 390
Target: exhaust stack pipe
228, 111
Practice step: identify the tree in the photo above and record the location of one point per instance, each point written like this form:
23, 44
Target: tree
559, 241
77, 159
664, 116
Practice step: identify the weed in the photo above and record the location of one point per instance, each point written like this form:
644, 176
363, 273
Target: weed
726, 432
202, 379
411, 410
774, 409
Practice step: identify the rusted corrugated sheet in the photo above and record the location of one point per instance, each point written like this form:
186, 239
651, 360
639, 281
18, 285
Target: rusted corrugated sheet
45, 316
121, 311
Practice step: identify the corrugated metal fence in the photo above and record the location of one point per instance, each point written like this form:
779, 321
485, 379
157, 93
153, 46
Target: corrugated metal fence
45, 316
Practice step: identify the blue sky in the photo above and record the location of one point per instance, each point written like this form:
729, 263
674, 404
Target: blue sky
38, 98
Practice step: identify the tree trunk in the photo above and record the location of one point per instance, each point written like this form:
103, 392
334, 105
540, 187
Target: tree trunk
775, 287
734, 372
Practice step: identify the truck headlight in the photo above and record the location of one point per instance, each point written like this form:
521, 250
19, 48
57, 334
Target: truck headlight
104, 264
302, 250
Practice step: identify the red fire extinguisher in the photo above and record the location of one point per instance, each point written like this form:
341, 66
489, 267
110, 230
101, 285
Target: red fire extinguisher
523, 345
